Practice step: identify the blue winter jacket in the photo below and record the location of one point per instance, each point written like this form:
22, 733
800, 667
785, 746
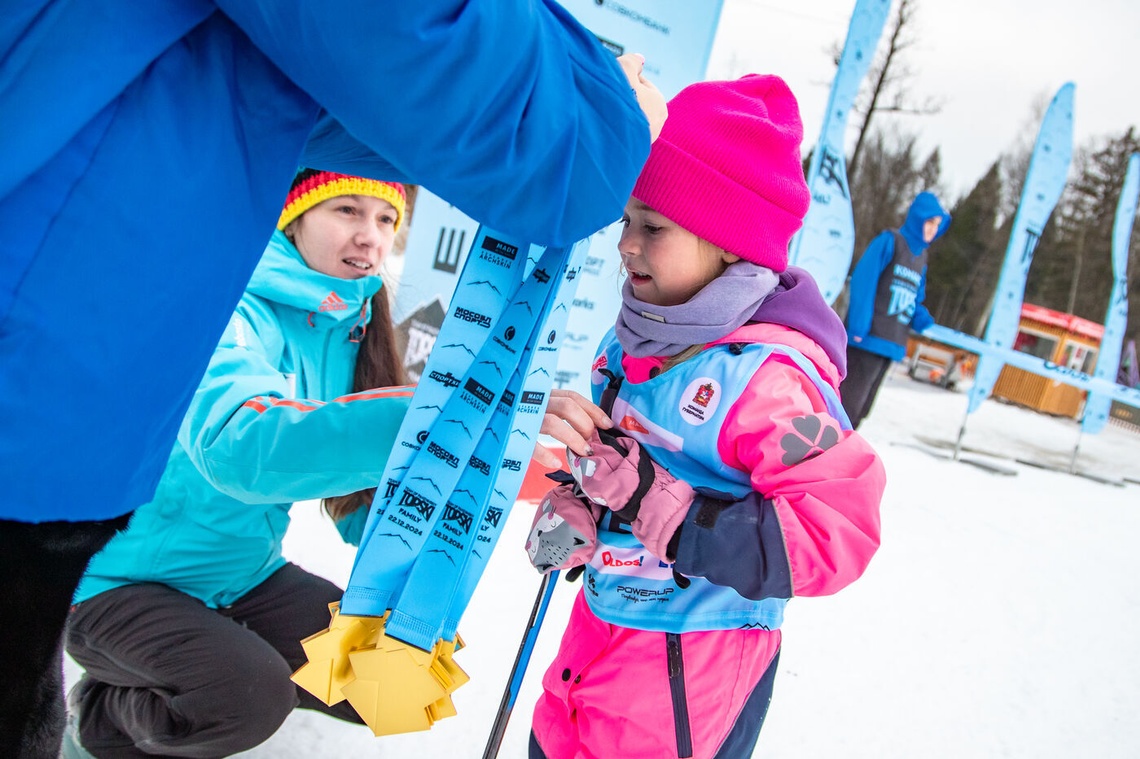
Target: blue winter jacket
146, 149
271, 423
872, 265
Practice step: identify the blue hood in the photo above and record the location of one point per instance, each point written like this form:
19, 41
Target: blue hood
923, 207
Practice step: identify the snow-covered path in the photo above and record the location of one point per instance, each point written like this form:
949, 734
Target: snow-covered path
1001, 617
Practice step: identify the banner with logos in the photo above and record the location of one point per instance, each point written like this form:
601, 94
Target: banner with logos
675, 37
827, 241
1044, 182
1116, 317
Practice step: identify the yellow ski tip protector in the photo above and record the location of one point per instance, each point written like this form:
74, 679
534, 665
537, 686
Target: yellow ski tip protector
317, 679
392, 690
456, 674
442, 709
368, 699
328, 669
395, 687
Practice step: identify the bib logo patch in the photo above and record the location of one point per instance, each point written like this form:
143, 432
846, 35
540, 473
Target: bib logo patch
596, 376
700, 400
810, 437
630, 424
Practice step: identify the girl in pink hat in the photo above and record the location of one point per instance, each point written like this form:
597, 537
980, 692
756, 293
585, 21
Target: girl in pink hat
727, 479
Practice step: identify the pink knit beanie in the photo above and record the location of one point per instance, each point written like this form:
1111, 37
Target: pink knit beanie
727, 167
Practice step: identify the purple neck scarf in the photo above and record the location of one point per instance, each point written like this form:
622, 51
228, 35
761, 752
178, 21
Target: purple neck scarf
720, 307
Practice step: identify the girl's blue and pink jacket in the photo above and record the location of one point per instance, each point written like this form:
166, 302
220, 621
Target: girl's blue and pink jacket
795, 513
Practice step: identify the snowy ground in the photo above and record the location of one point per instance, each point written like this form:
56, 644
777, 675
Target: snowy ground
1001, 618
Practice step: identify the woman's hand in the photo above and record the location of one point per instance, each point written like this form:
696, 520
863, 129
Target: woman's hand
650, 99
570, 419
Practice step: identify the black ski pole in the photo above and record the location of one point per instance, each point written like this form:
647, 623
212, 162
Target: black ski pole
522, 659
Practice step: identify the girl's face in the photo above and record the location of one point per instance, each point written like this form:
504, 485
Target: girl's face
667, 264
347, 236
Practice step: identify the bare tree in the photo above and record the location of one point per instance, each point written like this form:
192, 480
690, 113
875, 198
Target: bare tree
889, 80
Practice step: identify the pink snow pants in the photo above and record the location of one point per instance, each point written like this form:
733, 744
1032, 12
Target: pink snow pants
607, 694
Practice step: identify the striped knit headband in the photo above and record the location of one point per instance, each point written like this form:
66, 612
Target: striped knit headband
311, 187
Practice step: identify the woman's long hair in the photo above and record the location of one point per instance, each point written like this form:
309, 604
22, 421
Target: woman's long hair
377, 365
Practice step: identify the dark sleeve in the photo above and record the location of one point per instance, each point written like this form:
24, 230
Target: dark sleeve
735, 543
865, 283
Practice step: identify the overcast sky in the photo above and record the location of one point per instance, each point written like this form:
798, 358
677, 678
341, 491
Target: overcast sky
989, 61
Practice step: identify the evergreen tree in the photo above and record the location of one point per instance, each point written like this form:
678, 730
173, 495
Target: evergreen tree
964, 265
1072, 271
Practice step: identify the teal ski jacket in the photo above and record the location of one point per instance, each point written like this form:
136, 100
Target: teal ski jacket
146, 149
271, 423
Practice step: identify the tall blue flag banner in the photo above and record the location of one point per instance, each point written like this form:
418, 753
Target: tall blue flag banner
448, 485
675, 36
1116, 318
1044, 182
826, 243
481, 317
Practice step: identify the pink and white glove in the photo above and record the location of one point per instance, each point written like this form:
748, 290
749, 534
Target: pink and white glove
564, 532
623, 478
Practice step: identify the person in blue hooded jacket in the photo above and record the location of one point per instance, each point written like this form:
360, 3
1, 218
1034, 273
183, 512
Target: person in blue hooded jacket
887, 290
144, 152
274, 420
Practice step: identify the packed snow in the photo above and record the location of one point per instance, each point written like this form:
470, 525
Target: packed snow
1000, 618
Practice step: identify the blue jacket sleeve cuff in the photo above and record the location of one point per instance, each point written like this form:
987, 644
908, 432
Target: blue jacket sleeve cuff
921, 320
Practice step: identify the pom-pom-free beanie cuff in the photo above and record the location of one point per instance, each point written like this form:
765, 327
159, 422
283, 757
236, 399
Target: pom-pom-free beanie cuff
727, 167
717, 208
